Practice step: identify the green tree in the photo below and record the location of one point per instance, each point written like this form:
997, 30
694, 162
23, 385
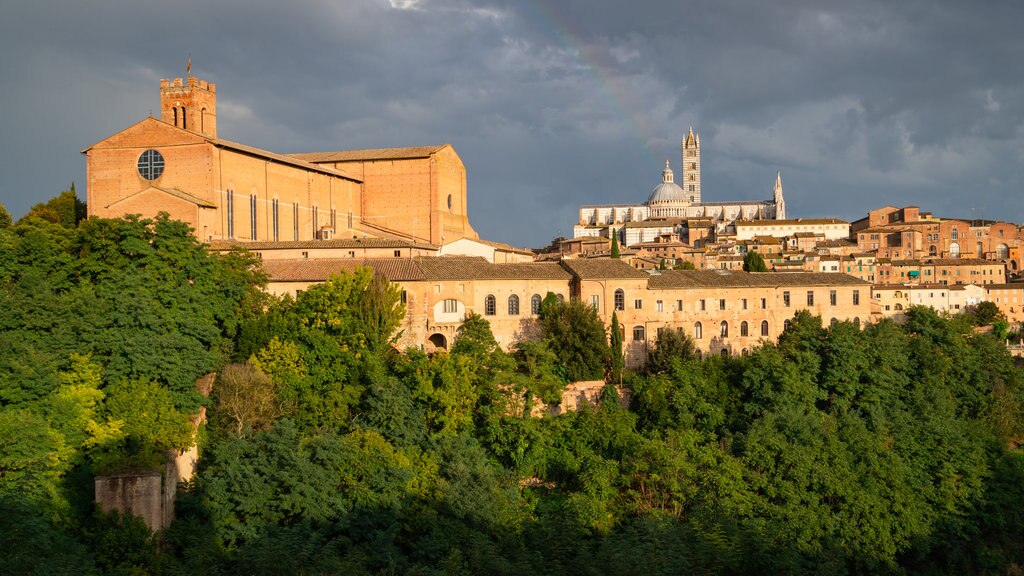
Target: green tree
753, 262
985, 313
618, 360
5, 217
684, 265
671, 346
65, 209
575, 333
615, 244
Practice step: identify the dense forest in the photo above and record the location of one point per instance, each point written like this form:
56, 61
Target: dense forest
892, 449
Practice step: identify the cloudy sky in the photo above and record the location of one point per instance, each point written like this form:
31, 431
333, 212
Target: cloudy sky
553, 103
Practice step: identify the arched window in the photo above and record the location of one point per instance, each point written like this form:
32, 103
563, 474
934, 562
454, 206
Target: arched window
785, 325
725, 352
764, 327
932, 251
184, 122
954, 249
489, 305
856, 322
833, 322
638, 333
620, 299
955, 234
979, 250
723, 329
1002, 252
899, 306
698, 331
175, 117
560, 298
202, 120
535, 304
744, 329
513, 305
744, 352
898, 294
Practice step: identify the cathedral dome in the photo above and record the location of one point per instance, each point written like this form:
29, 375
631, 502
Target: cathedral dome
667, 191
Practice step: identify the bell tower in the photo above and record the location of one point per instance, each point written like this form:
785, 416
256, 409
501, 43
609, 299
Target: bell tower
190, 104
691, 166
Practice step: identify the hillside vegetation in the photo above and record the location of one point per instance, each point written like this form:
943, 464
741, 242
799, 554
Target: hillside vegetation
837, 450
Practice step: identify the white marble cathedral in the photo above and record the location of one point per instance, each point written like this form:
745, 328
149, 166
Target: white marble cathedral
671, 206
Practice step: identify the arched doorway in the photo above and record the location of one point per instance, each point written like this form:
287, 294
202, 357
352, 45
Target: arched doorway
439, 341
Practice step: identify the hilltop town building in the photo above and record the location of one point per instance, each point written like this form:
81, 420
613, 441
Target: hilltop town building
229, 191
671, 207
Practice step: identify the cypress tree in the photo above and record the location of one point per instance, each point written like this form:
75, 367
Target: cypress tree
615, 245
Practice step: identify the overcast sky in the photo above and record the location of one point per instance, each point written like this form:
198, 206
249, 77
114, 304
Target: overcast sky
552, 104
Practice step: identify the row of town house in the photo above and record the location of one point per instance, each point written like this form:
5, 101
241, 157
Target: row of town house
725, 312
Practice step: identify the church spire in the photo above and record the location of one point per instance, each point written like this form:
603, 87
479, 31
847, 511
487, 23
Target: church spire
780, 202
690, 179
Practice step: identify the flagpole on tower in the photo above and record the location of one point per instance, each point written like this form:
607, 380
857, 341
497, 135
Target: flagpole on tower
188, 66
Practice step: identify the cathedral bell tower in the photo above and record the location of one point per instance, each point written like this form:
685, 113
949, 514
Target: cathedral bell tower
691, 166
190, 104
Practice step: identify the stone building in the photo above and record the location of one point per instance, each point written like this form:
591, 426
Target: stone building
670, 205
724, 311
229, 191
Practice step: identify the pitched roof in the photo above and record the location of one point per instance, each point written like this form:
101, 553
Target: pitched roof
318, 270
738, 279
338, 243
947, 262
282, 158
477, 268
791, 222
503, 246
369, 154
601, 268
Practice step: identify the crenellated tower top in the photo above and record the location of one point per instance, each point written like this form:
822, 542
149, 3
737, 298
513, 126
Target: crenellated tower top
189, 103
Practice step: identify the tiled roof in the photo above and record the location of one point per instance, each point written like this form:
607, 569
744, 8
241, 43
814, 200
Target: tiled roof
654, 224
282, 158
503, 246
946, 262
477, 268
601, 268
369, 154
738, 279
318, 270
792, 222
839, 243
340, 243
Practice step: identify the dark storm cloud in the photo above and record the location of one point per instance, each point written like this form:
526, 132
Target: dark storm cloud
553, 104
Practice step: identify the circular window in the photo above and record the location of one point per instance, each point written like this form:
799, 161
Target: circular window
151, 165
449, 201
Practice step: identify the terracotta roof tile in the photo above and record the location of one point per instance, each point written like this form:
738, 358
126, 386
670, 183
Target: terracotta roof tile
318, 270
477, 268
601, 268
369, 154
332, 243
738, 279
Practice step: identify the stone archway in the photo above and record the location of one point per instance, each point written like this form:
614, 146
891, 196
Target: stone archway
438, 341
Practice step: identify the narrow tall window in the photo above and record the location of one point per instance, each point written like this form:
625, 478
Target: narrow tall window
231, 213
785, 298
252, 216
277, 220
856, 297
832, 297
295, 221
744, 329
698, 331
535, 304
316, 221
490, 305
620, 299
810, 297
721, 304
184, 122
513, 305
764, 328
723, 329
